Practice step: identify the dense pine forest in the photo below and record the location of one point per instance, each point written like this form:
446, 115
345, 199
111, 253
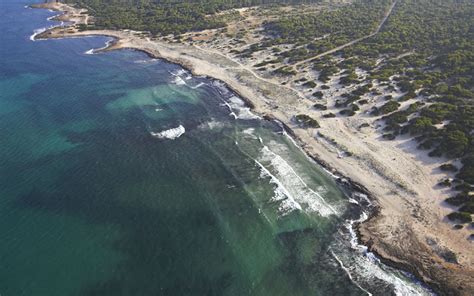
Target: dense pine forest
425, 50
166, 16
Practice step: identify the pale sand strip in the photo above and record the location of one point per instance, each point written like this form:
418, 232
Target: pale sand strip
409, 229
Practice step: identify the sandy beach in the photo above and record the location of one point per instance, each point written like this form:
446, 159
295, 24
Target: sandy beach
409, 229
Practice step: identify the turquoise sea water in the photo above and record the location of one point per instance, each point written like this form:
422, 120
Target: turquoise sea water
101, 192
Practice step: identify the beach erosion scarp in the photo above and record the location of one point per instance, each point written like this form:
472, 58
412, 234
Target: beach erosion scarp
408, 217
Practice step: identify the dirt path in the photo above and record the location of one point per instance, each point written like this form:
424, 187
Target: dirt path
401, 178
249, 69
336, 49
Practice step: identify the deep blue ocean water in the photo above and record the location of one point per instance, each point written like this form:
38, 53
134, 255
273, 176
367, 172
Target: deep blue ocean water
101, 192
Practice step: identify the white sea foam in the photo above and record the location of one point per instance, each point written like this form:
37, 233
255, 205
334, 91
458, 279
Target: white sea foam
146, 61
178, 81
198, 85
94, 50
213, 124
291, 190
171, 134
236, 105
239, 110
36, 33
353, 236
41, 30
249, 131
364, 268
368, 268
181, 76
179, 72
221, 88
351, 200
347, 271
287, 202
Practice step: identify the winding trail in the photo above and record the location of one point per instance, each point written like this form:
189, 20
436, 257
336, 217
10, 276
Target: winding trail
276, 83
398, 232
331, 51
251, 71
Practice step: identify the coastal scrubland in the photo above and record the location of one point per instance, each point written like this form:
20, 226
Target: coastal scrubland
423, 54
382, 91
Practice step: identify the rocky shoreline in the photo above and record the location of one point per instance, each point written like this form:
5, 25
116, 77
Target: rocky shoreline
413, 255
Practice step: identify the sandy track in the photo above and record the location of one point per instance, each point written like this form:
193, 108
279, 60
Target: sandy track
409, 229
350, 43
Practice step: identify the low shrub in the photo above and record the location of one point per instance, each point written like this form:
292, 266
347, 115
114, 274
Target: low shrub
329, 115
320, 107
306, 121
461, 217
448, 167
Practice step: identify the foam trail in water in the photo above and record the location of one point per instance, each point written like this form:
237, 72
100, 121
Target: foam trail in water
236, 105
221, 88
291, 190
250, 132
93, 51
238, 110
197, 86
212, 124
178, 80
179, 72
41, 30
36, 33
349, 273
146, 61
363, 267
171, 134
288, 203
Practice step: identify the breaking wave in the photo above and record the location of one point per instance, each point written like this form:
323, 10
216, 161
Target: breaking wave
291, 190
221, 88
211, 125
36, 33
181, 76
171, 134
364, 268
198, 85
146, 61
238, 109
95, 50
178, 80
41, 30
236, 105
